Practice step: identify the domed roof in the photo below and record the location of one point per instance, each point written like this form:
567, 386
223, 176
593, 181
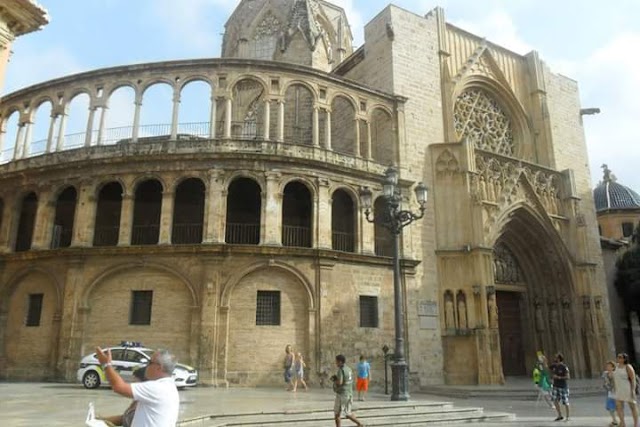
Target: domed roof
611, 195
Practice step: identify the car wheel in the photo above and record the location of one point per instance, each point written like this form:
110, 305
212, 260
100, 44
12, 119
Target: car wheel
91, 380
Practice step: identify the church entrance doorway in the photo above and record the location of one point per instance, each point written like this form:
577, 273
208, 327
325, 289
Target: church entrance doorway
510, 326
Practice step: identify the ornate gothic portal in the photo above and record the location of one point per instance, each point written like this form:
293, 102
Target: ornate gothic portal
534, 295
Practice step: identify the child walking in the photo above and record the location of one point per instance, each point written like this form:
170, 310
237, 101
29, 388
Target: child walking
299, 366
364, 375
607, 376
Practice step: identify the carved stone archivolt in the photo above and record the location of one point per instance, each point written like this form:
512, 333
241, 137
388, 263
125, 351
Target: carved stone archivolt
480, 119
505, 266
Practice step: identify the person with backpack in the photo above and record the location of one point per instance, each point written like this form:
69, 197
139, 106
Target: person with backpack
626, 388
343, 387
560, 390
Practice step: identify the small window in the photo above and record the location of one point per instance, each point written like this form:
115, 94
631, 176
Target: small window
117, 354
140, 307
34, 310
627, 229
268, 308
368, 312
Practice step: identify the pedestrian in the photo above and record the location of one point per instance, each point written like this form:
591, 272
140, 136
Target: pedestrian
607, 377
343, 387
288, 367
158, 399
624, 381
364, 376
541, 379
299, 366
560, 392
126, 419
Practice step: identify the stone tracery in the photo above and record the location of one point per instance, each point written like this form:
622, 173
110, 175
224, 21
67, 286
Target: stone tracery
479, 118
505, 266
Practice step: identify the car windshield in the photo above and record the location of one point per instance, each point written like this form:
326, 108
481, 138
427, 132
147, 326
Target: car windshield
148, 353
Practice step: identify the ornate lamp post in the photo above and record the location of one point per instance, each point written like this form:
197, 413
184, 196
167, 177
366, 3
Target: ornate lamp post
394, 218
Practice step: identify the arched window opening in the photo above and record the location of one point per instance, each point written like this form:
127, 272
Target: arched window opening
243, 212
1, 212
146, 213
40, 130
298, 115
248, 110
27, 222
343, 131
156, 112
108, 215
383, 146
195, 110
296, 215
9, 137
188, 212
77, 120
343, 222
64, 218
481, 119
119, 116
383, 237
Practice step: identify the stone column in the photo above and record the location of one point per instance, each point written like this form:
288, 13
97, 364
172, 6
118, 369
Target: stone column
136, 119
357, 150
166, 217
26, 144
323, 216
71, 324
17, 148
213, 209
267, 119
175, 114
52, 130
272, 211
9, 222
103, 119
327, 132
228, 118
90, 120
3, 134
368, 234
369, 146
280, 120
85, 219
61, 130
208, 339
126, 219
315, 133
212, 117
45, 216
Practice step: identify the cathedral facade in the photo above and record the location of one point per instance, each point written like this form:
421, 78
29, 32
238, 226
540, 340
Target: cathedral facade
227, 239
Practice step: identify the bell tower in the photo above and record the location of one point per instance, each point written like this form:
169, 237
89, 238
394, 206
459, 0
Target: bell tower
314, 33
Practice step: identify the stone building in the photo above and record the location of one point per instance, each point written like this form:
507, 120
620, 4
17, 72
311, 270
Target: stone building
227, 238
618, 213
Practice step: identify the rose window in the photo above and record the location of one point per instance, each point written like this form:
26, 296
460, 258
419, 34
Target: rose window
480, 119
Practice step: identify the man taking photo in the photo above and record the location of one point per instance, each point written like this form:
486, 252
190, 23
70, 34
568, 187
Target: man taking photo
158, 400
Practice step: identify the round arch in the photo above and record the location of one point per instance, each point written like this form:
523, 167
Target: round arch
302, 83
250, 77
147, 177
15, 280
346, 96
303, 180
245, 174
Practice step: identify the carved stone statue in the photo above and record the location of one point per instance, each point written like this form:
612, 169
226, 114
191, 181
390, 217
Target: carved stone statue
538, 315
483, 188
449, 312
599, 314
462, 311
588, 319
554, 320
492, 307
567, 316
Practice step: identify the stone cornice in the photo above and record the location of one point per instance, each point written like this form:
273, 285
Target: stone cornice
23, 16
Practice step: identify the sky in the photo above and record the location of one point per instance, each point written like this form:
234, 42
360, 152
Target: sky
594, 42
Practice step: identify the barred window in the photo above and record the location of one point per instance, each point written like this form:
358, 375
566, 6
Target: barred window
34, 311
627, 229
368, 312
140, 313
268, 308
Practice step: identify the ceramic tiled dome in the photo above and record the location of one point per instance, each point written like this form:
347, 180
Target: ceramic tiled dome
611, 195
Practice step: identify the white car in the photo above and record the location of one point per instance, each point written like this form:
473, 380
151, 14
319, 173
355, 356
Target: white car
125, 359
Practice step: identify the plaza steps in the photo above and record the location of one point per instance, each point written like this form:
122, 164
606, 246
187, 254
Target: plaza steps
587, 388
407, 414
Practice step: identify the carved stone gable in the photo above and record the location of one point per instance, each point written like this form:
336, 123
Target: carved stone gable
447, 164
269, 26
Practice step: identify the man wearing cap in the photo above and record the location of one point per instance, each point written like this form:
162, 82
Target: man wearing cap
158, 399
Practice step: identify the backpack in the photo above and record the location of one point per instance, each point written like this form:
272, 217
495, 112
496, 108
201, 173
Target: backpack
347, 381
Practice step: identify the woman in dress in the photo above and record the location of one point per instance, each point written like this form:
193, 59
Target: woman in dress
288, 366
624, 379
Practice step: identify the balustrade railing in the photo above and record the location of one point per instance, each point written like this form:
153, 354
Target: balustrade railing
343, 241
246, 130
384, 246
297, 236
184, 234
145, 234
246, 234
106, 236
199, 129
152, 131
61, 237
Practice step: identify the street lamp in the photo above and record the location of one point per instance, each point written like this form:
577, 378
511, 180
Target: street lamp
394, 218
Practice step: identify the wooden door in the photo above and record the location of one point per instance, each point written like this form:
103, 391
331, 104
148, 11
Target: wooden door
511, 342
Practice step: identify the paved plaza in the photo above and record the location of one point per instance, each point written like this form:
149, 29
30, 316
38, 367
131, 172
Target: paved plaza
56, 404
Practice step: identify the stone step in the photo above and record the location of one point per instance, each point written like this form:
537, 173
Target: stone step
513, 394
391, 414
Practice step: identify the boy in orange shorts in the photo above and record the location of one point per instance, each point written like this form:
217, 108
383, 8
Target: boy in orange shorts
364, 375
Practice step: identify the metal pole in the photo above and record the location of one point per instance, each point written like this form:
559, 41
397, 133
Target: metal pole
399, 368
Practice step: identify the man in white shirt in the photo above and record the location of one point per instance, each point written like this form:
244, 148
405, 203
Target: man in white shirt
158, 400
